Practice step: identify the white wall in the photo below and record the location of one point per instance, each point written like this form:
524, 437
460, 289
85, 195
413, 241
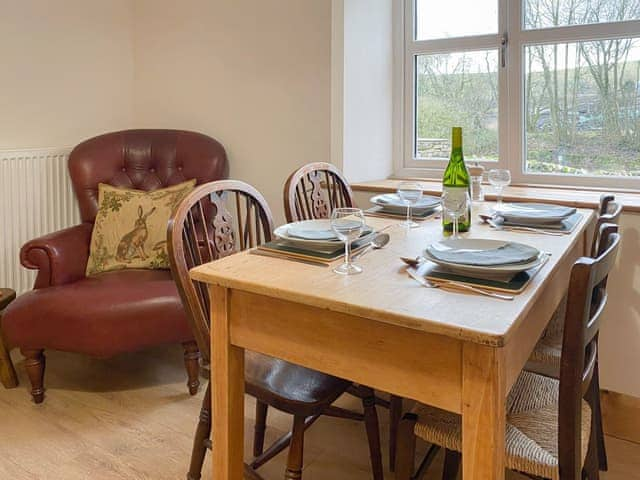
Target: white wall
362, 82
66, 70
620, 334
254, 74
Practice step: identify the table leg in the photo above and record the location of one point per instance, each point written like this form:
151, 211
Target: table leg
227, 367
483, 413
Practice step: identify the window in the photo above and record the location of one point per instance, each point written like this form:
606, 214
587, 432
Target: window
547, 88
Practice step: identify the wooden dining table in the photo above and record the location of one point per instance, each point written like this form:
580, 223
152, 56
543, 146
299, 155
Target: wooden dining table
454, 350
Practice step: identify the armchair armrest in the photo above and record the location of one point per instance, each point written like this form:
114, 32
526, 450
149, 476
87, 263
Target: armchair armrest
60, 257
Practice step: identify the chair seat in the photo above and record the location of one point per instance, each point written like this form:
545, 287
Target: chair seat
102, 316
291, 388
545, 358
531, 430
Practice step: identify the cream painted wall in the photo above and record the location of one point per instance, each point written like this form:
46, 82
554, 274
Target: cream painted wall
362, 86
620, 335
254, 74
66, 70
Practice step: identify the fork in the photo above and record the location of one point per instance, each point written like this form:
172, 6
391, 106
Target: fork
498, 226
455, 285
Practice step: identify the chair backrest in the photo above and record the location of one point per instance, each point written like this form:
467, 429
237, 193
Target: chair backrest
216, 220
144, 160
587, 298
609, 211
314, 190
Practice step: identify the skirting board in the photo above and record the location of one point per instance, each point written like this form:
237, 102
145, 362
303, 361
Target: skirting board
621, 415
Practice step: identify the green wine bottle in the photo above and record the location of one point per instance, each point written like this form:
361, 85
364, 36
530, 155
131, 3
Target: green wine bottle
456, 180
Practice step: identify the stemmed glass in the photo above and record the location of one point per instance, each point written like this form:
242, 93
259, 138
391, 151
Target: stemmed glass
499, 178
410, 193
347, 223
455, 204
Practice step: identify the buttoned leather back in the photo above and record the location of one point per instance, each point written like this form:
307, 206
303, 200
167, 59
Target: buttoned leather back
144, 160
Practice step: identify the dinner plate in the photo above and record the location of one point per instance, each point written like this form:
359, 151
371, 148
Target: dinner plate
533, 213
313, 228
477, 245
392, 203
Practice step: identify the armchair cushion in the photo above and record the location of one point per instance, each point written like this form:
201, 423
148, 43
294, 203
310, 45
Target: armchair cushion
103, 315
61, 257
131, 227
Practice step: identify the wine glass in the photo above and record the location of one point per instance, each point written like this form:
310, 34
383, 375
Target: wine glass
499, 178
410, 193
347, 223
455, 204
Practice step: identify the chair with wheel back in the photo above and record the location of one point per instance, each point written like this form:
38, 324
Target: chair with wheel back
216, 220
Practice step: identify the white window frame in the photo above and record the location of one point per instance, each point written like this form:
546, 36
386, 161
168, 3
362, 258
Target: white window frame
511, 78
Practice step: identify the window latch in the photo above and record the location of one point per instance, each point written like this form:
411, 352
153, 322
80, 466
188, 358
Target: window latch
503, 49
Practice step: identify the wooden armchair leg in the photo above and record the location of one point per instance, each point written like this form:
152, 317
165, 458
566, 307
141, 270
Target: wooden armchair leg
296, 450
203, 432
35, 365
395, 414
373, 432
406, 447
192, 364
260, 428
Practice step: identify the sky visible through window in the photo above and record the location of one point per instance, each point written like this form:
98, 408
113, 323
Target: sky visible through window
455, 18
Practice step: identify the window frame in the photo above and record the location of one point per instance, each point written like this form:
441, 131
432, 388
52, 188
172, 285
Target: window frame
511, 78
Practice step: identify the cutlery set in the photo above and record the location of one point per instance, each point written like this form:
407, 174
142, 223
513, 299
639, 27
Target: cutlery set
480, 266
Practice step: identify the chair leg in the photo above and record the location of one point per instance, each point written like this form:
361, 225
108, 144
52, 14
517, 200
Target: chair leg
602, 450
192, 364
395, 414
296, 450
373, 432
451, 465
406, 447
203, 431
35, 365
259, 428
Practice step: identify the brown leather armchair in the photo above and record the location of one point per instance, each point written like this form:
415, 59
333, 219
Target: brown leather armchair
120, 311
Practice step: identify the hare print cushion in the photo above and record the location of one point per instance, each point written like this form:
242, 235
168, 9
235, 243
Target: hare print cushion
130, 230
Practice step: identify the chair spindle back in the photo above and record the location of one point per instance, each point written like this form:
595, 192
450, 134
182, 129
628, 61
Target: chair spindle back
314, 190
216, 220
609, 212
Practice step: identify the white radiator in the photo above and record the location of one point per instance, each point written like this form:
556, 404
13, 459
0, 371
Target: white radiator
36, 198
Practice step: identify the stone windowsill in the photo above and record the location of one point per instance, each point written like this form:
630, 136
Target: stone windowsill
572, 196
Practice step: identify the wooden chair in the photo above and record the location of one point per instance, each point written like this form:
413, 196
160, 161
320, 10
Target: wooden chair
312, 192
549, 431
545, 359
217, 220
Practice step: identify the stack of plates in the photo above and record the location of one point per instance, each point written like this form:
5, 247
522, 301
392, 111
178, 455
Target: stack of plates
392, 204
533, 214
313, 234
480, 258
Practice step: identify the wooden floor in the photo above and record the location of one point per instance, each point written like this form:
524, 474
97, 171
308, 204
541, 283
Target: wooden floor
131, 418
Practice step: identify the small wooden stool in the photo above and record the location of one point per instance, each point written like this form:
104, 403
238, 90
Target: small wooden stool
7, 372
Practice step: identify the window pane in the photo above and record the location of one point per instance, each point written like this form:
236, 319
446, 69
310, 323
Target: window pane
545, 13
455, 18
582, 108
457, 89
